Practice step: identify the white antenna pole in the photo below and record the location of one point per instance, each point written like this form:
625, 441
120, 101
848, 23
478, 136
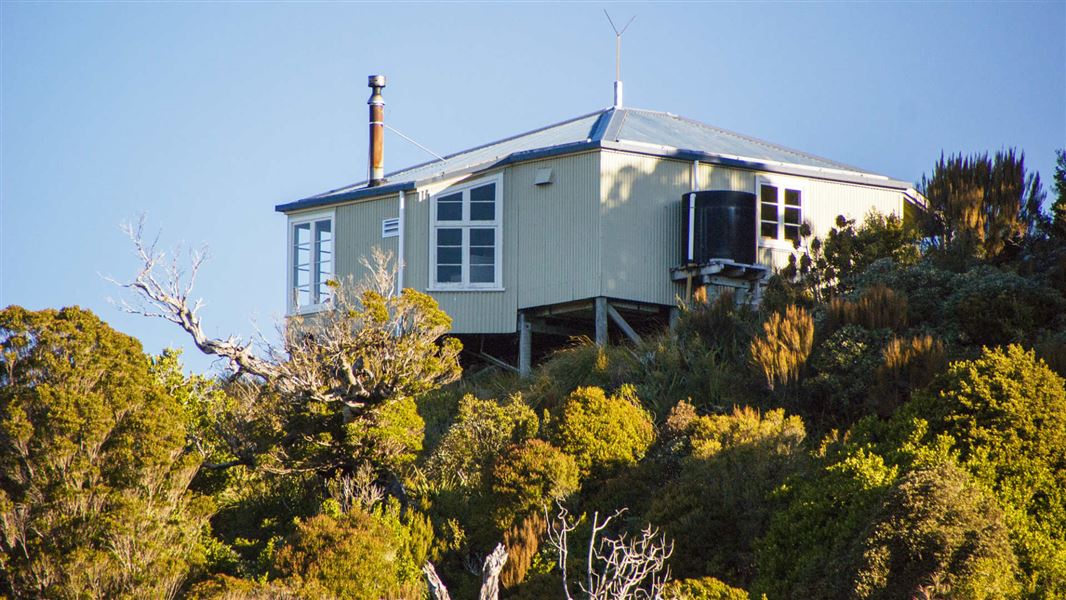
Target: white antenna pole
618, 57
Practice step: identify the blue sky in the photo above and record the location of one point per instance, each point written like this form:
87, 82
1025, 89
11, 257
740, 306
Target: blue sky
204, 116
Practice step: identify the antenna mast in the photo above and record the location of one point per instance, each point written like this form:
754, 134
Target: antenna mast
618, 57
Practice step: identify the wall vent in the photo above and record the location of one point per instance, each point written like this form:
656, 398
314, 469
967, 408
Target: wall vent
390, 228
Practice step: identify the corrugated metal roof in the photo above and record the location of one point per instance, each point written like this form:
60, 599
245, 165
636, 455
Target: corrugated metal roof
645, 131
665, 129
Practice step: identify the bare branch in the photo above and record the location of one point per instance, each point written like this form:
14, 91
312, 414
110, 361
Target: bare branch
436, 587
490, 573
617, 568
167, 296
490, 576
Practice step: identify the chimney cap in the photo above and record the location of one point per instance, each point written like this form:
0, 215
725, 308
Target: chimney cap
376, 81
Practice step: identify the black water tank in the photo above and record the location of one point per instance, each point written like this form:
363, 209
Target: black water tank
723, 226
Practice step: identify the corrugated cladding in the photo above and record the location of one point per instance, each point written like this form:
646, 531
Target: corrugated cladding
474, 311
608, 224
358, 231
641, 225
641, 221
558, 245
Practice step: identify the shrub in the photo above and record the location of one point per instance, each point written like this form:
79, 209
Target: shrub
907, 364
351, 556
803, 554
718, 505
704, 588
936, 531
1006, 411
529, 476
843, 369
784, 345
878, 307
601, 432
523, 542
482, 429
993, 307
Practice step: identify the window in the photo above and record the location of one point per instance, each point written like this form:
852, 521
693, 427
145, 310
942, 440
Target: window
780, 211
310, 261
465, 237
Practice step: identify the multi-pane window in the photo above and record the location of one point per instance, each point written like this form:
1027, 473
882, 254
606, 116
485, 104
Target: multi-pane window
465, 244
780, 211
311, 262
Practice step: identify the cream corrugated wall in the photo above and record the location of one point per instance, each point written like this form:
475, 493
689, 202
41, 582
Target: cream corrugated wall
609, 224
549, 254
471, 312
558, 245
641, 220
640, 232
358, 231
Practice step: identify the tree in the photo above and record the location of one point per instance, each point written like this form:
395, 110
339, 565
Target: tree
1058, 208
980, 206
95, 464
616, 568
344, 379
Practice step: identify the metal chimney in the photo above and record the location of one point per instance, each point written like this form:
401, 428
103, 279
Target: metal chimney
376, 176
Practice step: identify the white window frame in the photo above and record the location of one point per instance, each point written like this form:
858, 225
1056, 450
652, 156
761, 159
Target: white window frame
466, 225
781, 183
290, 253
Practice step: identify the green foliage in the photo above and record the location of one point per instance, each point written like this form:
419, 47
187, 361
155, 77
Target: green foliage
348, 386
482, 429
908, 364
936, 532
926, 285
782, 349
353, 556
719, 322
718, 505
850, 250
990, 307
844, 367
1058, 207
529, 476
1006, 410
827, 268
703, 588
980, 206
804, 552
603, 432
94, 466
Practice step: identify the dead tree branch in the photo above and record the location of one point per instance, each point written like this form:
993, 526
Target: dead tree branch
490, 576
618, 568
166, 295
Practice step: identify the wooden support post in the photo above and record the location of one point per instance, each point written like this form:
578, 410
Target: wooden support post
622, 324
601, 321
675, 315
525, 345
492, 360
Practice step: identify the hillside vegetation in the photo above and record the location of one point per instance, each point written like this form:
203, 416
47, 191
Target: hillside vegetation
889, 423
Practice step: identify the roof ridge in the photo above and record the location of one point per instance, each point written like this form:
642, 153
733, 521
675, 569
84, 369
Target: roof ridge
755, 140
